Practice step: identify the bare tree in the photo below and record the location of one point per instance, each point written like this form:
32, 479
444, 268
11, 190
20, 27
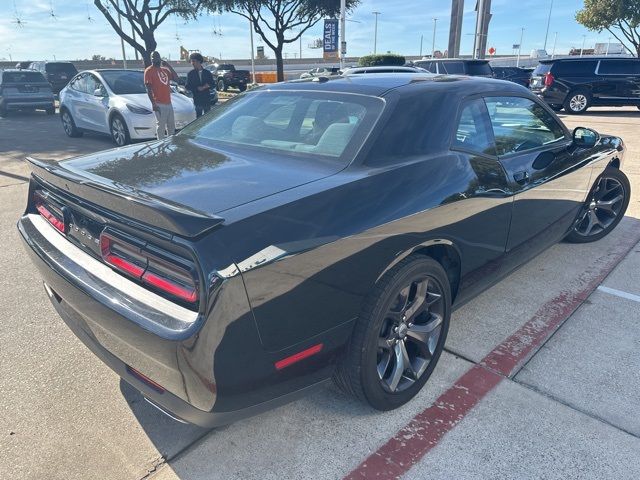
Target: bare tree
272, 19
144, 17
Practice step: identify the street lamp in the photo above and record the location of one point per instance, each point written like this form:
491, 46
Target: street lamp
546, 35
433, 44
608, 44
555, 39
375, 34
520, 47
584, 38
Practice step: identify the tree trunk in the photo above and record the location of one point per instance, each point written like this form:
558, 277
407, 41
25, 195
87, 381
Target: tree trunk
150, 45
279, 64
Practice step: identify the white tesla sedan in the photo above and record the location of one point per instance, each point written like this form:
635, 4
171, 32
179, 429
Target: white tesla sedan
115, 102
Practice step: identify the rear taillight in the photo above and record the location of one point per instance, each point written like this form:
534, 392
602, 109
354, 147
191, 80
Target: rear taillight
49, 211
548, 79
171, 278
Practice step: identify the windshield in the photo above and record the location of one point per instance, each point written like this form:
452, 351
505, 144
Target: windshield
479, 68
301, 124
542, 69
22, 77
125, 82
61, 68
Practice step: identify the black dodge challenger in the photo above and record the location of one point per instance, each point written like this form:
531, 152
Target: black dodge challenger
308, 231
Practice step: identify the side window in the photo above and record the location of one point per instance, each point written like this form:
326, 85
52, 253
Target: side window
79, 83
619, 67
520, 124
90, 84
473, 132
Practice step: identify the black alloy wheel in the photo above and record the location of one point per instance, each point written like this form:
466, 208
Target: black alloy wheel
68, 124
577, 102
606, 204
399, 336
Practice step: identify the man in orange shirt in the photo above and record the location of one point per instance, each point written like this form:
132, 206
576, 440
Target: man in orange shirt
156, 79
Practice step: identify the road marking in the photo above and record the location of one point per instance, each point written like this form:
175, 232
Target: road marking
407, 447
619, 293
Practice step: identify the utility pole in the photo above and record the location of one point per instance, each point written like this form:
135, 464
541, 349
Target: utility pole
124, 56
584, 38
375, 34
253, 62
546, 35
421, 39
555, 39
520, 46
343, 38
608, 44
433, 43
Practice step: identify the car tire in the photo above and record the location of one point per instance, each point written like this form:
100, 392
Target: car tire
556, 108
3, 112
221, 86
69, 125
396, 342
119, 130
606, 204
51, 111
242, 88
577, 102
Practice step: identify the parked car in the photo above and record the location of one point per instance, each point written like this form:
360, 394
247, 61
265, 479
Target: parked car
383, 69
519, 75
25, 90
58, 74
23, 65
308, 231
227, 76
115, 102
576, 84
457, 66
321, 72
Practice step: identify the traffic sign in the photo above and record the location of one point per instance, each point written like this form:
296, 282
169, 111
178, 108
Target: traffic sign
492, 51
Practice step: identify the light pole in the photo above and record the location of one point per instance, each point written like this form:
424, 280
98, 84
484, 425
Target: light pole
584, 38
253, 62
124, 56
608, 44
421, 39
546, 35
343, 39
375, 34
520, 47
433, 43
555, 39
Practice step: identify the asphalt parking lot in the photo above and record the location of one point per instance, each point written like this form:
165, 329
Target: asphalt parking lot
540, 376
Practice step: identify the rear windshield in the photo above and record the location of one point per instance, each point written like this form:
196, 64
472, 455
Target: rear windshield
542, 69
474, 68
61, 68
226, 66
22, 77
452, 68
306, 125
125, 82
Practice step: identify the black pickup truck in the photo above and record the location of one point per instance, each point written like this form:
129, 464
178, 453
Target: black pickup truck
227, 76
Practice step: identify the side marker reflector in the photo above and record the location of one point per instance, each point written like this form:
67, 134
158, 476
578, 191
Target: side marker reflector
285, 362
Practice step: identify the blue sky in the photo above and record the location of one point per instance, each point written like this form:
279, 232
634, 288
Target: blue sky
400, 25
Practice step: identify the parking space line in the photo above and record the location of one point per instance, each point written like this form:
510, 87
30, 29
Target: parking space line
619, 293
427, 428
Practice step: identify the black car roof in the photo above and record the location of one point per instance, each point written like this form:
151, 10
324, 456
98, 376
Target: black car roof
587, 59
466, 60
377, 84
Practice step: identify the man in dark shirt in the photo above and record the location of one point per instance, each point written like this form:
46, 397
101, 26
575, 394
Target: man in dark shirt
199, 83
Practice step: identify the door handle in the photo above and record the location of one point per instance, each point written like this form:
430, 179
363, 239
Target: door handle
521, 178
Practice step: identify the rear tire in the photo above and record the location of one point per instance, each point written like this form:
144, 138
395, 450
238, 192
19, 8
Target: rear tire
399, 335
3, 112
221, 86
119, 131
51, 111
605, 206
577, 102
242, 88
69, 125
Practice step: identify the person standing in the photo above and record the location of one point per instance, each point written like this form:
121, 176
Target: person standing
199, 83
157, 78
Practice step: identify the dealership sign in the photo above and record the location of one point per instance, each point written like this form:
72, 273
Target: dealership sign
330, 38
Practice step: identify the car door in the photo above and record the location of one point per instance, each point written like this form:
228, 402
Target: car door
624, 75
547, 175
96, 107
74, 100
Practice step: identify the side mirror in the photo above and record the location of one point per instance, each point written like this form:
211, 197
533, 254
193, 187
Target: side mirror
585, 137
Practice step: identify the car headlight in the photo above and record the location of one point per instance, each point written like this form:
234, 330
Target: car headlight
138, 110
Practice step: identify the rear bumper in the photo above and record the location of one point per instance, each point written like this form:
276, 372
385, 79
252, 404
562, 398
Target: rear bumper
550, 96
212, 370
33, 103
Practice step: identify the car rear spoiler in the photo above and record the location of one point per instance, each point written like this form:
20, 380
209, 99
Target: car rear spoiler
125, 200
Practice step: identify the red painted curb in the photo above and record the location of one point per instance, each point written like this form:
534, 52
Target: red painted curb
426, 429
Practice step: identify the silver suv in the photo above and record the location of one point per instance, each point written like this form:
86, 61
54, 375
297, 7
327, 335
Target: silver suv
25, 90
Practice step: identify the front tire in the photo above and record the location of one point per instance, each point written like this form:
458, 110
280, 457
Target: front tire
606, 204
119, 131
69, 125
221, 86
399, 335
578, 102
